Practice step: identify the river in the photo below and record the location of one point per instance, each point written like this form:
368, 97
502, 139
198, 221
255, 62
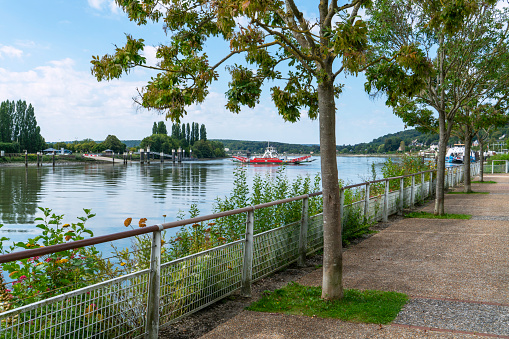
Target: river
115, 192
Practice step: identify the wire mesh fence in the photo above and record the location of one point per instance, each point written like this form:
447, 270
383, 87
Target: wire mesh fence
121, 306
497, 166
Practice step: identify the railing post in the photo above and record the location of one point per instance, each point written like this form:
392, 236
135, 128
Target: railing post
303, 237
366, 201
506, 166
412, 192
430, 184
154, 280
401, 195
342, 207
386, 202
247, 266
492, 166
422, 187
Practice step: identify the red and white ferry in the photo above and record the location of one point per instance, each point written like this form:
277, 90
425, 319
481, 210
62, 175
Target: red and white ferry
270, 157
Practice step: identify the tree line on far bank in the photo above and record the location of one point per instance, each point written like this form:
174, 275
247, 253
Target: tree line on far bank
184, 136
18, 128
188, 137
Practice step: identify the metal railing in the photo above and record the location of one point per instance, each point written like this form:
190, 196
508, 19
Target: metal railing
136, 304
499, 168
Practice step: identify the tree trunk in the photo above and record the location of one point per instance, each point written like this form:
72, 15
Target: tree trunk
332, 285
443, 136
442, 147
466, 160
481, 159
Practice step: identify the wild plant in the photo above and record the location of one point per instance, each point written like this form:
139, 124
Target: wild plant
40, 277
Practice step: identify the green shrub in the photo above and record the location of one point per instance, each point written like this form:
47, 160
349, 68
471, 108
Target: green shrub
9, 147
41, 277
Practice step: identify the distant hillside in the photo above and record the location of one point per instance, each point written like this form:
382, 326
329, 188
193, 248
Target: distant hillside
391, 142
259, 146
131, 143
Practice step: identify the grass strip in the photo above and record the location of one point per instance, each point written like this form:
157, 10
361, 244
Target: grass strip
468, 193
377, 307
427, 215
484, 182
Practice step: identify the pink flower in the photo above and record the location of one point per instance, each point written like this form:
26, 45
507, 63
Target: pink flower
22, 277
8, 290
48, 260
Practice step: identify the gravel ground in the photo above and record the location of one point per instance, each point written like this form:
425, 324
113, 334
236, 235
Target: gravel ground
486, 217
454, 315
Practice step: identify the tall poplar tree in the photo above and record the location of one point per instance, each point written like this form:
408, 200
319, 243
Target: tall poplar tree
7, 111
161, 128
18, 124
300, 56
203, 132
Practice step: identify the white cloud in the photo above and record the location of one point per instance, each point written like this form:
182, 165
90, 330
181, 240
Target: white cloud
10, 51
71, 104
149, 52
262, 123
97, 4
241, 21
104, 4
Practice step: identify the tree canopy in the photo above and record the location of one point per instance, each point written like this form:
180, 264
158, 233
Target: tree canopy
458, 48
113, 143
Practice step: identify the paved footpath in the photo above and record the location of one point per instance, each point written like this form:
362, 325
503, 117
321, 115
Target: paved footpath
455, 271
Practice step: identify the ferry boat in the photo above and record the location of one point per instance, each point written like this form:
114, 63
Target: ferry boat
270, 157
456, 154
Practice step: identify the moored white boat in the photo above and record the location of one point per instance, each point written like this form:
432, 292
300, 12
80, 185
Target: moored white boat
456, 154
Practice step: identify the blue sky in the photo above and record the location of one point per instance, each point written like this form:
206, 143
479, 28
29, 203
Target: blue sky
45, 53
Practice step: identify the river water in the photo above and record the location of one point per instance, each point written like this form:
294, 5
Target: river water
115, 192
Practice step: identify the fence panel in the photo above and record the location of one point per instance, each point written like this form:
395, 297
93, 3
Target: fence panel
275, 249
315, 233
194, 282
111, 309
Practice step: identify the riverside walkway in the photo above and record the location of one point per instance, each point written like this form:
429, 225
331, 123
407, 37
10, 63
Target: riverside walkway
456, 273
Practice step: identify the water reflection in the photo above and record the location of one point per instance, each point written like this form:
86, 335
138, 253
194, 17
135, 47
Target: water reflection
19, 194
120, 191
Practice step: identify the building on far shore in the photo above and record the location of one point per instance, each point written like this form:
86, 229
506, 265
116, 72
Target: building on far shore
56, 151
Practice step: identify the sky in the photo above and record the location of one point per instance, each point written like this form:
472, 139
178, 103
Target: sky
45, 53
